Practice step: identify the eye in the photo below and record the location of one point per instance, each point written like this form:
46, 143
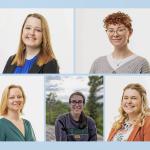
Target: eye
28, 28
11, 97
38, 30
19, 96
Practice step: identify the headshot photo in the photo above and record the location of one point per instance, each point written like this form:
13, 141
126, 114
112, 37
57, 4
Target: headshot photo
74, 112
127, 109
36, 42
109, 41
19, 119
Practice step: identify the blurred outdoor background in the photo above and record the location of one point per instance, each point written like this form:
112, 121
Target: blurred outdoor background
59, 88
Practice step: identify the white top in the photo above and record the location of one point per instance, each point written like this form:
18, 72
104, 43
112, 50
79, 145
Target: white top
116, 63
124, 133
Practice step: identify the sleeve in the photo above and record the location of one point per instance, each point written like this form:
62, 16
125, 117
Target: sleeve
145, 67
51, 67
60, 132
2, 133
30, 132
92, 130
8, 64
147, 129
92, 70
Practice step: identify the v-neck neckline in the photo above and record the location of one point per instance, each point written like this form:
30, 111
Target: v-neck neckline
120, 65
23, 135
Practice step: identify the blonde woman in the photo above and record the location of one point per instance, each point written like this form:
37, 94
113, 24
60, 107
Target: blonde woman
134, 121
12, 126
35, 53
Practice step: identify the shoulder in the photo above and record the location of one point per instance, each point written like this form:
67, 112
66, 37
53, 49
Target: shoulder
90, 120
141, 59
51, 66
100, 59
26, 122
12, 57
63, 116
2, 121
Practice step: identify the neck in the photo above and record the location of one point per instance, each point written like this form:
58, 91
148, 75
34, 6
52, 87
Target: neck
31, 52
132, 118
121, 52
13, 115
75, 117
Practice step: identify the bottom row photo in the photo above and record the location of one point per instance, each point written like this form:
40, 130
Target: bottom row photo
74, 108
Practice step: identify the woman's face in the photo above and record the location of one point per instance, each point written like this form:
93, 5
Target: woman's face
15, 100
32, 33
118, 35
131, 102
76, 104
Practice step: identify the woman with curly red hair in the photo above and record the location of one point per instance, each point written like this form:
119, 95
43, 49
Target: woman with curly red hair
122, 60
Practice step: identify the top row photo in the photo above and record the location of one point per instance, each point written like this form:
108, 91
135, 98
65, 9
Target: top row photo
74, 41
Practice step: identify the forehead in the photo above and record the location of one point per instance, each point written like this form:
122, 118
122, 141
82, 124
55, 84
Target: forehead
33, 21
131, 92
13, 91
76, 97
115, 26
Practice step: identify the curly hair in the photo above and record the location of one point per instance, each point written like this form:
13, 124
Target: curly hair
145, 110
118, 18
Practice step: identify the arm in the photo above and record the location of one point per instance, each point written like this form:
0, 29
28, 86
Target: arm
2, 133
60, 131
92, 130
30, 132
147, 129
9, 61
51, 67
145, 67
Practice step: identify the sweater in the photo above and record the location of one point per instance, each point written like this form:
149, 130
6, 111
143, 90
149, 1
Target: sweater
67, 129
136, 65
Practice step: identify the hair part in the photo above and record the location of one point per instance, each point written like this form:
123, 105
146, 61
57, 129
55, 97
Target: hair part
46, 52
4, 98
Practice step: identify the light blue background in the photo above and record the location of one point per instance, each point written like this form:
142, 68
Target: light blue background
74, 4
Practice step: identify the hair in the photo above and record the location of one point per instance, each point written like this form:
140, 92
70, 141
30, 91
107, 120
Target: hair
46, 52
145, 110
4, 99
118, 18
77, 93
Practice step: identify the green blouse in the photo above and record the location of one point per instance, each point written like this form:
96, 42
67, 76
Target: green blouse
9, 132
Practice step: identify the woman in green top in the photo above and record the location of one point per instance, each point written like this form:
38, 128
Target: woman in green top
12, 126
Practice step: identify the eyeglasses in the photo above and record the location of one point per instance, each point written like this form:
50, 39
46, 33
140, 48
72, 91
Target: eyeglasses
74, 102
119, 31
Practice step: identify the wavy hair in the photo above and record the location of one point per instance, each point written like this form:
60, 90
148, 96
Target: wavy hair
145, 110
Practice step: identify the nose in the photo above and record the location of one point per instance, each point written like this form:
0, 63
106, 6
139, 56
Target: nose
115, 33
32, 31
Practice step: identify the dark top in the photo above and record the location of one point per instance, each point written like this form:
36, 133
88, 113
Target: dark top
9, 132
67, 129
50, 67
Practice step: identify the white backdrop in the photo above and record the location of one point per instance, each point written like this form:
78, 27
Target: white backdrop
92, 41
61, 31
33, 111
114, 86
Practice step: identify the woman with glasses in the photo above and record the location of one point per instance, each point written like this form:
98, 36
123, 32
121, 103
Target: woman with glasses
122, 60
133, 123
75, 125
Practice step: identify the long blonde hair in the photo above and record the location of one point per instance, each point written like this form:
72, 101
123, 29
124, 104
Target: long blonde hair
46, 52
145, 110
4, 99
